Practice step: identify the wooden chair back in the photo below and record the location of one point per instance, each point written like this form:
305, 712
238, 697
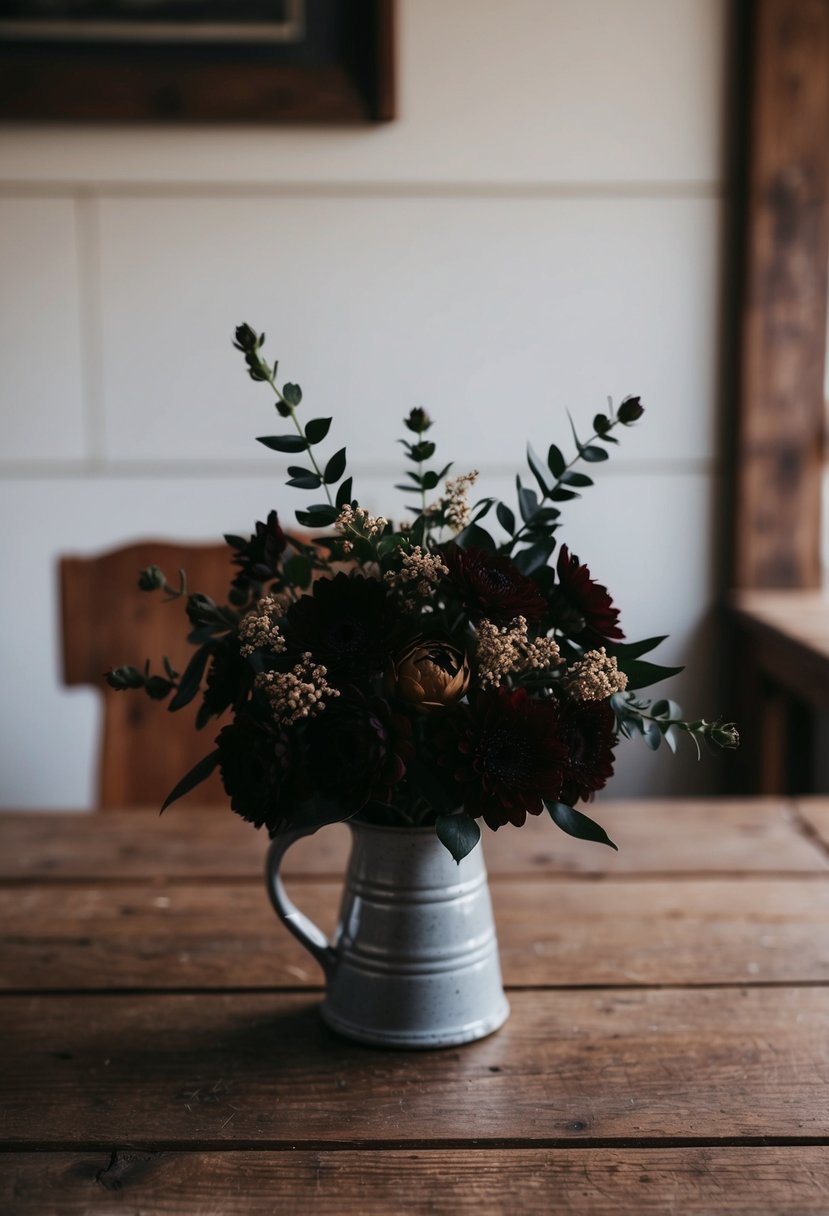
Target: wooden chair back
108, 622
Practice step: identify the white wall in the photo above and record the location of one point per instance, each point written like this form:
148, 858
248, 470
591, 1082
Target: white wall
539, 229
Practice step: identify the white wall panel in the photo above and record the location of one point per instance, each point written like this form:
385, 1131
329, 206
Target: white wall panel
498, 315
40, 368
533, 90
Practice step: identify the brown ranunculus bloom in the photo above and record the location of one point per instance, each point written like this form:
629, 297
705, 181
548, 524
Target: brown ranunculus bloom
428, 674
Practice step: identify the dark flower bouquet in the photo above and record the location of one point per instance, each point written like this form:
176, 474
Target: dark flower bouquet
419, 674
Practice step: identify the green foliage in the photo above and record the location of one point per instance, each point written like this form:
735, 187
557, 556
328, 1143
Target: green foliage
440, 578
662, 721
576, 823
198, 773
458, 833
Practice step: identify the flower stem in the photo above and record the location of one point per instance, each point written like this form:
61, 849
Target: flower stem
519, 535
301, 434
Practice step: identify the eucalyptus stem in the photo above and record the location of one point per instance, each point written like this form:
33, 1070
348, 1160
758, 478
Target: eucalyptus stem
309, 451
559, 480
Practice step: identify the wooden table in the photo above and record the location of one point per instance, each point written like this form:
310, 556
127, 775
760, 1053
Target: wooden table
780, 671
668, 1049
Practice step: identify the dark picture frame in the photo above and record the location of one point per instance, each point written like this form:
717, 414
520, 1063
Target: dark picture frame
201, 61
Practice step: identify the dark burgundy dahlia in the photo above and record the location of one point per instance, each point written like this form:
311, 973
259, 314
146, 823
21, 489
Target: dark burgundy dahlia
492, 586
348, 623
258, 772
509, 756
588, 731
358, 750
581, 607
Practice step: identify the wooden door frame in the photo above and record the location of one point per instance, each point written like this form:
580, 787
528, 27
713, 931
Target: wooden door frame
777, 457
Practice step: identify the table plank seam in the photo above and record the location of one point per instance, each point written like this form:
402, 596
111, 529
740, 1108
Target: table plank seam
581, 876
808, 831
416, 1144
314, 990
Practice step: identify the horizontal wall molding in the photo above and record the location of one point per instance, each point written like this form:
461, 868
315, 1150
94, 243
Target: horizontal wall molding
667, 190
46, 470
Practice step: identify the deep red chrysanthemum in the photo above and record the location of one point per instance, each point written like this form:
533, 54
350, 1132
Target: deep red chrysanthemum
509, 756
587, 730
492, 586
581, 607
358, 750
259, 773
348, 623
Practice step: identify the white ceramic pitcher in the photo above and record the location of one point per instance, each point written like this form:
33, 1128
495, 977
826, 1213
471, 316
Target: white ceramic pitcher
414, 959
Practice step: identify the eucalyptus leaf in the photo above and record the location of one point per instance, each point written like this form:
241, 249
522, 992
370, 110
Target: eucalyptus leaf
633, 650
641, 674
190, 681
335, 467
318, 516
505, 518
317, 429
529, 560
475, 537
305, 481
571, 478
538, 471
592, 454
344, 493
555, 461
575, 823
198, 773
459, 833
284, 443
298, 570
292, 393
527, 503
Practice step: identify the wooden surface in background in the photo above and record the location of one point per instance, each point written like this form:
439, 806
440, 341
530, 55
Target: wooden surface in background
161, 1047
781, 647
778, 457
106, 622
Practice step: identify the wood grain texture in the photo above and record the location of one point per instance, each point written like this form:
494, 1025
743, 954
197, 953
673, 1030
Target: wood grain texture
107, 622
673, 836
441, 1182
788, 635
778, 458
815, 813
210, 1070
568, 933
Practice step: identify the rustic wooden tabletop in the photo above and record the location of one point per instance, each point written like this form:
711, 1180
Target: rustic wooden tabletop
161, 1051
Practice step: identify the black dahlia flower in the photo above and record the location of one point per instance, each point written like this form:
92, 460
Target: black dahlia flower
358, 750
347, 622
492, 586
257, 768
509, 756
580, 607
586, 728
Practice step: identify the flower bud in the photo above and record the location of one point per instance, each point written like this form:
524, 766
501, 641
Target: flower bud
246, 338
121, 678
418, 421
631, 410
201, 610
152, 579
428, 674
724, 734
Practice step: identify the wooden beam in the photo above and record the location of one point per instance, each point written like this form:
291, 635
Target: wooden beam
780, 426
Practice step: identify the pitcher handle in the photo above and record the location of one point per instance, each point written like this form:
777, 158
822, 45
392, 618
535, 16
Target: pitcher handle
296, 922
